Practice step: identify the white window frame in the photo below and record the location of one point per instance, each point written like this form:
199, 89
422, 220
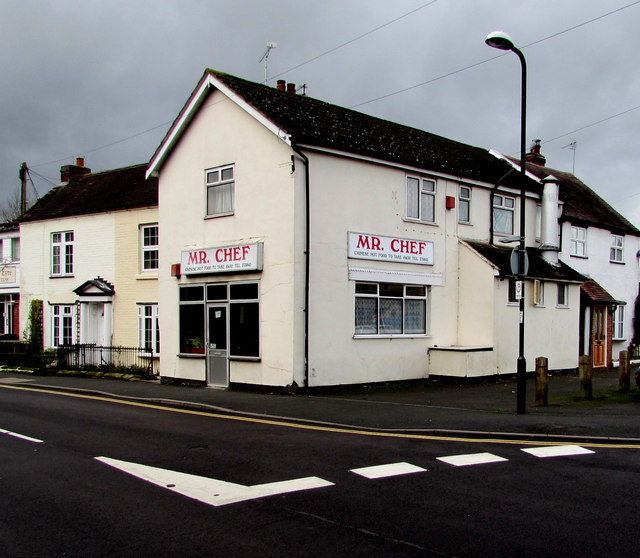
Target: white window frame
538, 292
562, 301
148, 249
618, 323
464, 200
63, 317
578, 247
376, 293
149, 328
616, 251
215, 183
62, 253
506, 205
420, 199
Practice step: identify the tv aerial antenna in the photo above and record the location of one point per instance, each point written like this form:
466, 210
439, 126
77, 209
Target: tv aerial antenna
265, 57
572, 145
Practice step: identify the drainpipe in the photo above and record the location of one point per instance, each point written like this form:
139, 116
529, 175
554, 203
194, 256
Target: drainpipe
306, 262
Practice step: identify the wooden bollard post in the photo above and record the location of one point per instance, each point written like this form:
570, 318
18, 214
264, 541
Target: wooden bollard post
586, 369
624, 379
542, 382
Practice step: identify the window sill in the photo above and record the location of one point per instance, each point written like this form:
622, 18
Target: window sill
615, 262
146, 276
245, 359
199, 356
580, 257
419, 222
61, 276
391, 336
216, 215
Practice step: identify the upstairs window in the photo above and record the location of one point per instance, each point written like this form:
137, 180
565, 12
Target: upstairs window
464, 204
421, 194
503, 210
616, 252
578, 242
220, 183
149, 244
563, 295
62, 253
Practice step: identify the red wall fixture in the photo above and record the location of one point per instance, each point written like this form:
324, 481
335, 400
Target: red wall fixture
450, 202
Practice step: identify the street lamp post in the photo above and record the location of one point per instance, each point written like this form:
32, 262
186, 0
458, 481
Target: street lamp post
502, 41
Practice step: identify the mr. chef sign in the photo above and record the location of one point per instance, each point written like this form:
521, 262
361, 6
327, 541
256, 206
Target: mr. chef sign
225, 259
390, 249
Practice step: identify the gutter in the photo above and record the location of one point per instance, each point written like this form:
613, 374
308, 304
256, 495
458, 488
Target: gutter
307, 228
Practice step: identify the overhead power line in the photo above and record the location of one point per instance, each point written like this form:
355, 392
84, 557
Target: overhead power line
454, 72
355, 38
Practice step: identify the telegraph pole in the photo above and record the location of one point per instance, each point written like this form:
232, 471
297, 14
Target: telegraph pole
23, 188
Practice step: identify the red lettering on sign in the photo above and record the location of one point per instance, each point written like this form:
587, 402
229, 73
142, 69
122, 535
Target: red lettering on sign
198, 257
408, 246
232, 254
369, 242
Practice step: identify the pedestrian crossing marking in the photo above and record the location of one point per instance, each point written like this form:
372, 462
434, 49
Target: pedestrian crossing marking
557, 451
471, 459
389, 470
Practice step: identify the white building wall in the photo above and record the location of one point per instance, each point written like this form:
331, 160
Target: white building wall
619, 280
266, 192
93, 254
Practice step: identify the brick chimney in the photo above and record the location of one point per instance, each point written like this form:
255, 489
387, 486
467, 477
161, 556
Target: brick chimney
281, 85
534, 156
291, 88
67, 172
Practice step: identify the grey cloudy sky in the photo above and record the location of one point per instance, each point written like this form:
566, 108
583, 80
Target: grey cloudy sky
104, 78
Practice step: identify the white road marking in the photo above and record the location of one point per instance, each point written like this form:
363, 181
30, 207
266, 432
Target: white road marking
471, 459
211, 491
390, 470
21, 436
557, 451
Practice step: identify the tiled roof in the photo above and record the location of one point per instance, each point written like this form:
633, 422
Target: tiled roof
112, 190
596, 293
315, 123
582, 206
539, 268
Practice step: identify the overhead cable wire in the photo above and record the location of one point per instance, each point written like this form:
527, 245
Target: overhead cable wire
454, 72
355, 38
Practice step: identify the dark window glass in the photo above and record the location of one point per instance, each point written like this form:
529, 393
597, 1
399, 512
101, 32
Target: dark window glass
244, 331
367, 288
244, 291
192, 328
217, 292
188, 294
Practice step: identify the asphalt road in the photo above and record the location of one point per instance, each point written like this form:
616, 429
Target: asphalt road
88, 477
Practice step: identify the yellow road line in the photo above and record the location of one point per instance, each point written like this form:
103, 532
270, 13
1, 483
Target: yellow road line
321, 428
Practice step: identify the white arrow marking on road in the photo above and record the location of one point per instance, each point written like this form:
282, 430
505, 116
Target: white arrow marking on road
21, 436
557, 451
211, 491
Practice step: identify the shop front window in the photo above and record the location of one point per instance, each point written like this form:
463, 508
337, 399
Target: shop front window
390, 309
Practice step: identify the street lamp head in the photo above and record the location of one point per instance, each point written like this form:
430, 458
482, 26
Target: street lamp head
499, 40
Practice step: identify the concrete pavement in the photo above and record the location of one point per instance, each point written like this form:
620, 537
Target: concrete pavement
475, 409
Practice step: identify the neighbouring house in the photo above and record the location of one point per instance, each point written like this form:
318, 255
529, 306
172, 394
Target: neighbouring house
604, 246
10, 280
305, 244
93, 245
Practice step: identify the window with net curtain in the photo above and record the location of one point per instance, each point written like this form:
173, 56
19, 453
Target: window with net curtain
220, 183
503, 210
390, 309
421, 194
